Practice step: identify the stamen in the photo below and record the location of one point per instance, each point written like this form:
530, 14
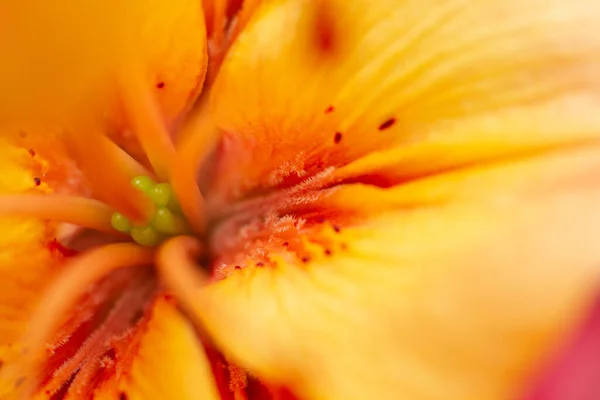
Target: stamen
198, 138
22, 375
178, 271
81, 211
145, 120
109, 174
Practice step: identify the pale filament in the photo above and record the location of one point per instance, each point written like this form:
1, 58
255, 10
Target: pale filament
81, 273
178, 270
198, 138
243, 17
133, 167
109, 173
81, 211
144, 117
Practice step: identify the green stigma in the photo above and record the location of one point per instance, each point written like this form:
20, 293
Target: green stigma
167, 219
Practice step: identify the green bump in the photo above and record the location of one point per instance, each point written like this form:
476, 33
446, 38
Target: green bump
161, 194
168, 223
174, 206
144, 183
120, 222
145, 235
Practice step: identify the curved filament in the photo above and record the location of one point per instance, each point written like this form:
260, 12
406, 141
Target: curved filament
110, 174
243, 17
81, 211
61, 296
198, 139
177, 269
134, 168
147, 124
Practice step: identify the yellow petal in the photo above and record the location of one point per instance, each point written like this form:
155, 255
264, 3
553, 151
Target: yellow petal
64, 58
26, 262
311, 84
456, 294
170, 362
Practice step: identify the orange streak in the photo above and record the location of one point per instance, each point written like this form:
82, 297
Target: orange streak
145, 119
60, 297
109, 174
198, 139
81, 211
243, 17
219, 20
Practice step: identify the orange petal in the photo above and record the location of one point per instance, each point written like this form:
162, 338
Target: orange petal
170, 363
460, 293
311, 84
62, 60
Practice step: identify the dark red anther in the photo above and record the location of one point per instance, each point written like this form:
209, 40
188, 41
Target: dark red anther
37, 181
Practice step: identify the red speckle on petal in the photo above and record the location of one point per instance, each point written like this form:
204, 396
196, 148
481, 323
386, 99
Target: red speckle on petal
160, 85
327, 31
56, 247
260, 264
32, 152
37, 181
168, 297
337, 138
387, 124
329, 110
305, 259
122, 396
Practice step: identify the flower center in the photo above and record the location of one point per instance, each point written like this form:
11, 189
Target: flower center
167, 220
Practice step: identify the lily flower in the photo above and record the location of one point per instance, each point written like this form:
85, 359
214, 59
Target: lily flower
298, 199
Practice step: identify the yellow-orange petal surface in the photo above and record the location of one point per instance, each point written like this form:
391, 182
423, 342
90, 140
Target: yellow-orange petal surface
169, 361
27, 261
63, 60
454, 287
312, 84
